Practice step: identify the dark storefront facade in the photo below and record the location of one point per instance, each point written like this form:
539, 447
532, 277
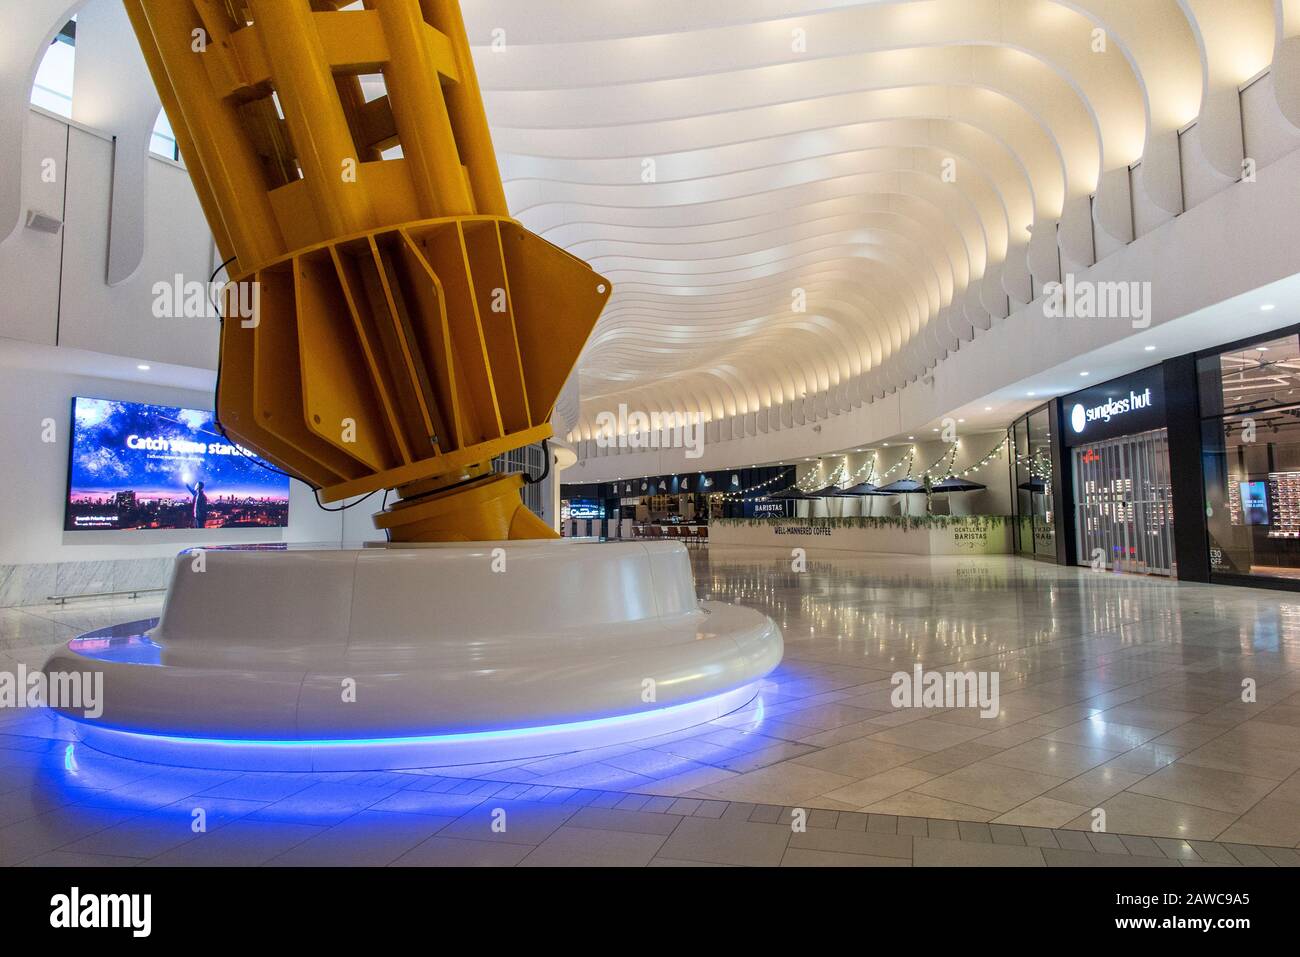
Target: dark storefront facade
1188, 469
687, 497
1250, 435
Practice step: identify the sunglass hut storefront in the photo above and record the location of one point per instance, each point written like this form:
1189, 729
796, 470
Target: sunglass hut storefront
1189, 469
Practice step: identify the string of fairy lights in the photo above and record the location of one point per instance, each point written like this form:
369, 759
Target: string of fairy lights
942, 468
841, 477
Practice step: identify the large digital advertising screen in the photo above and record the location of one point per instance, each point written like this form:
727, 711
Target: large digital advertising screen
133, 465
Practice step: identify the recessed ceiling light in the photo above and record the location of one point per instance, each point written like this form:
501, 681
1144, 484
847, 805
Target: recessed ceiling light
911, 438
886, 443
988, 408
1257, 349
1149, 348
1084, 374
961, 420
142, 367
1033, 393
1267, 307
934, 430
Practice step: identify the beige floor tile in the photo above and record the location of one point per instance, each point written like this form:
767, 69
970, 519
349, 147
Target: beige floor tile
1103, 735
950, 759
1056, 758
1288, 790
679, 784
992, 787
914, 804
1231, 753
830, 803
929, 735
1206, 787
827, 717
1264, 733
1016, 734
1094, 786
1041, 812
859, 759
1083, 670
879, 786
1128, 813
1143, 716
1193, 734
785, 783
1283, 714
1146, 759
841, 735
1271, 821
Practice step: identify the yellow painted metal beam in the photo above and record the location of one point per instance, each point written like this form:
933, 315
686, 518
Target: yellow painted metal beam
408, 331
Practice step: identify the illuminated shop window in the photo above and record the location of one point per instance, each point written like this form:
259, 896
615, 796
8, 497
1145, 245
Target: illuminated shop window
1250, 431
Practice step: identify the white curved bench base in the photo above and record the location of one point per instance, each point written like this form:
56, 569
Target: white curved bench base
389, 754
382, 658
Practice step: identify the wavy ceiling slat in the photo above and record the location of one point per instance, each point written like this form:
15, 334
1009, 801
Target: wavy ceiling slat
827, 166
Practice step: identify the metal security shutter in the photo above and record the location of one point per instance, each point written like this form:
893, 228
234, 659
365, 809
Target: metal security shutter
1123, 503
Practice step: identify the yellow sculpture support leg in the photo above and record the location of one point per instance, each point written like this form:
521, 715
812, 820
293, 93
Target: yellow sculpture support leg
406, 329
485, 510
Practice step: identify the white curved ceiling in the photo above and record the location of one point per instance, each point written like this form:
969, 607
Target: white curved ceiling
909, 166
911, 171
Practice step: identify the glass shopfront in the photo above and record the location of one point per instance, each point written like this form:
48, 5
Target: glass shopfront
1115, 442
1035, 530
1250, 434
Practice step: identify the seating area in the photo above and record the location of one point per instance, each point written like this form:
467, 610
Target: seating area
681, 533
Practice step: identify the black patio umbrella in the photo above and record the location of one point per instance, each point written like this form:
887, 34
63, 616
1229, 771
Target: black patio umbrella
830, 491
1034, 485
790, 494
862, 488
955, 484
902, 487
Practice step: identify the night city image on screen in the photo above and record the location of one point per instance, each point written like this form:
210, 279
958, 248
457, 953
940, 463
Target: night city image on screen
154, 466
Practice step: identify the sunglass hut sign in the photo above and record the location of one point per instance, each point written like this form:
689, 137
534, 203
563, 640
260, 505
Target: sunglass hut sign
1118, 408
1081, 416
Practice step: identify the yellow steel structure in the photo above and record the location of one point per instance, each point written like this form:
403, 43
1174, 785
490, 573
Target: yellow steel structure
406, 329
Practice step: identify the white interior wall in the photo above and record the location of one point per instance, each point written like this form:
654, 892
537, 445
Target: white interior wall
35, 482
55, 289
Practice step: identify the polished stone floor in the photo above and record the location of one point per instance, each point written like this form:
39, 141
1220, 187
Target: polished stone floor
1118, 694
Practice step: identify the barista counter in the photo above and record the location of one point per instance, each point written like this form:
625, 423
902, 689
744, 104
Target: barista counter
907, 535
